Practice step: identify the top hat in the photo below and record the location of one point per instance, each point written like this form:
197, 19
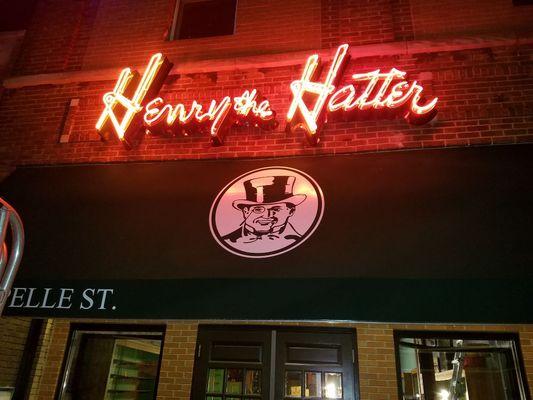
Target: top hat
269, 190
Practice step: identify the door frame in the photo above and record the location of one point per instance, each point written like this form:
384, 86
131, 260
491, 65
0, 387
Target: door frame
273, 345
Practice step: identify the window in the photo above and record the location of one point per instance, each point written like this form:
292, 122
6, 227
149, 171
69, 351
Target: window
112, 362
459, 366
203, 18
6, 393
251, 363
522, 2
16, 15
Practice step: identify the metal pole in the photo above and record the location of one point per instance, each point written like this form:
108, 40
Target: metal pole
457, 373
9, 257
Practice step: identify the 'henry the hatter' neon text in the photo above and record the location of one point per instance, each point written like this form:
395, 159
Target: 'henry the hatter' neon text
313, 102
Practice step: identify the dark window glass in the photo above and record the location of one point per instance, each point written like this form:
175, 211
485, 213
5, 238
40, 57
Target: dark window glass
459, 366
108, 364
15, 15
522, 2
205, 18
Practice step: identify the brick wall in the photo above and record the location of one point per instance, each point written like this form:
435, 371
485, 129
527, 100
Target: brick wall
51, 359
13, 334
41, 357
50, 37
457, 17
486, 94
375, 354
86, 34
485, 97
178, 360
358, 22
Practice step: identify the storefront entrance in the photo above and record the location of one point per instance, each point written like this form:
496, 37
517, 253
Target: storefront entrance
274, 363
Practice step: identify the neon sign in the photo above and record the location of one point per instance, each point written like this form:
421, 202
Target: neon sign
313, 102
127, 122
403, 98
217, 117
128, 129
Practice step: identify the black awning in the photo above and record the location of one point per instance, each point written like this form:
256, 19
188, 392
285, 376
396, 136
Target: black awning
427, 235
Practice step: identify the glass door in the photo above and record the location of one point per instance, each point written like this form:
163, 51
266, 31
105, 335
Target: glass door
315, 365
265, 363
232, 364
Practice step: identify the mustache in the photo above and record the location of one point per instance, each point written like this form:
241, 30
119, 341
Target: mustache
265, 220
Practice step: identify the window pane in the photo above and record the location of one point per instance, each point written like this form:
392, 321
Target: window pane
206, 18
333, 385
313, 384
459, 369
234, 381
293, 384
6, 394
253, 382
104, 365
215, 380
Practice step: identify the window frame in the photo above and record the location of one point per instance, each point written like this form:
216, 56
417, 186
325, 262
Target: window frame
205, 335
145, 331
177, 20
456, 334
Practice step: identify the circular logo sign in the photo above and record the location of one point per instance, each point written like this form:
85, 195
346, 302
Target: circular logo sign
266, 212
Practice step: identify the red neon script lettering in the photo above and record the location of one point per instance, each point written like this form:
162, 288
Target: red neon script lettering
126, 122
388, 90
217, 118
127, 128
374, 93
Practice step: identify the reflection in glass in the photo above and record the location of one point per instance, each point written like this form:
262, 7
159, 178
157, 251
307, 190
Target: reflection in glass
293, 384
102, 364
333, 385
215, 380
313, 384
253, 382
234, 381
459, 369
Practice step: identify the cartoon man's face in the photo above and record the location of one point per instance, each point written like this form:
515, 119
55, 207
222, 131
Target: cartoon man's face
267, 218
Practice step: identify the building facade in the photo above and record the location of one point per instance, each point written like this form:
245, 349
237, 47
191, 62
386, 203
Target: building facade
269, 199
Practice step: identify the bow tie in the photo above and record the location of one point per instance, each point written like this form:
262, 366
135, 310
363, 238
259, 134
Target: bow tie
252, 238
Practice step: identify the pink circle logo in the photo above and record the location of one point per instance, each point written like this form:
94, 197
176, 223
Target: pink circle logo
266, 212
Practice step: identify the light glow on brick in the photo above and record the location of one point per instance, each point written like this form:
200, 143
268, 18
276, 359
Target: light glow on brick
216, 117
306, 85
373, 90
132, 105
313, 101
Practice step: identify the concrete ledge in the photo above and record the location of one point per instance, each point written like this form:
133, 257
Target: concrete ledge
274, 60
